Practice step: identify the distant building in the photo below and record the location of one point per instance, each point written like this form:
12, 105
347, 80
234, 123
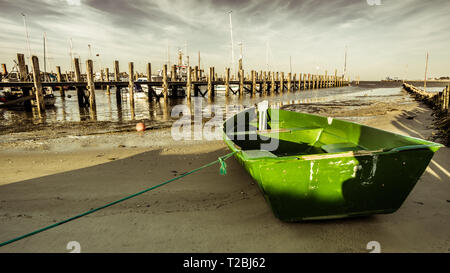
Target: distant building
392, 79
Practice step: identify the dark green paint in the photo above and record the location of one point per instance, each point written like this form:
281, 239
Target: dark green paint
327, 168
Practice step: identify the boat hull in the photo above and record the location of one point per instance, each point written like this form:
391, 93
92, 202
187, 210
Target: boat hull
329, 185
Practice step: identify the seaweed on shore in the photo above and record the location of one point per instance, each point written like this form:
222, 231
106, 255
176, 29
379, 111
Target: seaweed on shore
442, 123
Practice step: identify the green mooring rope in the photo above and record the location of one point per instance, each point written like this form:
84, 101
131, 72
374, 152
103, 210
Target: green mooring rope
223, 171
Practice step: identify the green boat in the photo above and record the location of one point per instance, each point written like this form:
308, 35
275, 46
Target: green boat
312, 167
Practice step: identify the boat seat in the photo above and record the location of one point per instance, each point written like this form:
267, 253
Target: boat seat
289, 130
272, 131
251, 154
241, 133
342, 147
304, 128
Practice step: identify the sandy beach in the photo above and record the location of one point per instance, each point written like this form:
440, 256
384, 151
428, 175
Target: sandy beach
48, 179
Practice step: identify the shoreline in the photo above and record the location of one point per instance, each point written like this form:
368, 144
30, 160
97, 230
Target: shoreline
204, 212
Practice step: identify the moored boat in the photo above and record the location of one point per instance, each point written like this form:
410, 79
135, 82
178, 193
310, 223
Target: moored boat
16, 100
312, 167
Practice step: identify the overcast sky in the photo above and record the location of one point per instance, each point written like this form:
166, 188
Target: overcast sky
390, 39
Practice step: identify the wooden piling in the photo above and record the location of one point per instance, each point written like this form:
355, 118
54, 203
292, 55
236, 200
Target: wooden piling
116, 71
102, 79
302, 78
209, 87
259, 78
309, 81
227, 82
116, 79
22, 68
165, 83
294, 81
23, 76
149, 79
131, 82
91, 84
253, 82
335, 78
173, 75
277, 81
446, 99
241, 82
272, 84
196, 78
289, 82
189, 83
38, 85
212, 71
4, 70
59, 79
108, 91
265, 83
81, 96
76, 64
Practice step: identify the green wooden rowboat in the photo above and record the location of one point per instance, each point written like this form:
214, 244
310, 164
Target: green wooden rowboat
313, 167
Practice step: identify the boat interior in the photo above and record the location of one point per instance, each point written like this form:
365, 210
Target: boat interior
297, 134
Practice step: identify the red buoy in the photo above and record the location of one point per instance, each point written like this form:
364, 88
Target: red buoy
140, 127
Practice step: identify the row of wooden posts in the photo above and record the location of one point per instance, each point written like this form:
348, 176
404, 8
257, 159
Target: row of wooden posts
262, 82
440, 100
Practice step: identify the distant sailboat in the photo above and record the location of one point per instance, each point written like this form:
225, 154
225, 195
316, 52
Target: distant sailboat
426, 71
345, 63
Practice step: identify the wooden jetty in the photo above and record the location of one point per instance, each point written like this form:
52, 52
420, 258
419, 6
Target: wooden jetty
438, 100
173, 84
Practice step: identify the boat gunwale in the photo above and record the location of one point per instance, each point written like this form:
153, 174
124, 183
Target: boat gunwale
325, 155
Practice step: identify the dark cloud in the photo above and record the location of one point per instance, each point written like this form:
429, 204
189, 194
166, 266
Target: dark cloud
314, 32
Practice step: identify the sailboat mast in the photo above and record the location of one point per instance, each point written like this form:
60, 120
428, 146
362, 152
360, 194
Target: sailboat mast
426, 70
290, 65
71, 54
26, 35
232, 43
90, 51
168, 54
45, 54
186, 51
345, 63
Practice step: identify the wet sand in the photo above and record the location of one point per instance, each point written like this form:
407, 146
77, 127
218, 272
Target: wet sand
46, 180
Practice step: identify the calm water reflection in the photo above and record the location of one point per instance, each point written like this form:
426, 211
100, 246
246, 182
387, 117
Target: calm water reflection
107, 109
